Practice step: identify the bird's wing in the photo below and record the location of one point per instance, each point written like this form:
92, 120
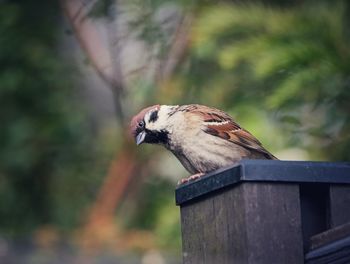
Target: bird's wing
220, 124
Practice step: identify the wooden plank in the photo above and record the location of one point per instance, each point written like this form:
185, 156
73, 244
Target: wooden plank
339, 196
213, 229
273, 223
250, 223
337, 252
330, 236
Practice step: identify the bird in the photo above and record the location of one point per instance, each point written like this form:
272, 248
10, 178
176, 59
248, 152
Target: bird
202, 138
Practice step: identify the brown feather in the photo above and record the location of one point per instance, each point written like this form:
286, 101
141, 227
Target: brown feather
220, 124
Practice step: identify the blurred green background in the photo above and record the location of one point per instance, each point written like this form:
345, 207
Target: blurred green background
73, 187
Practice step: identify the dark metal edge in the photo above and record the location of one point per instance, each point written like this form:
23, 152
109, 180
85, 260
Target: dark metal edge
208, 183
333, 248
296, 171
265, 171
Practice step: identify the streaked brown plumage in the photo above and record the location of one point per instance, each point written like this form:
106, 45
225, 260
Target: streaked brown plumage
202, 138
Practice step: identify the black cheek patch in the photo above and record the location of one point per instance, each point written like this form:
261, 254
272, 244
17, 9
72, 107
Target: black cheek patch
154, 116
157, 137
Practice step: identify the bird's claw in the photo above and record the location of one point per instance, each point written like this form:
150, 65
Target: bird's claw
191, 178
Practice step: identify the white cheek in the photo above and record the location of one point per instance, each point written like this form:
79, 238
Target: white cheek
164, 121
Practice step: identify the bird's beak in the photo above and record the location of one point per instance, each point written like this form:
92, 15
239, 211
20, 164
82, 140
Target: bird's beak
140, 137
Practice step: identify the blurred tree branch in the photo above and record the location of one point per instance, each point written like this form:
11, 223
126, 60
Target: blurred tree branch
177, 50
105, 58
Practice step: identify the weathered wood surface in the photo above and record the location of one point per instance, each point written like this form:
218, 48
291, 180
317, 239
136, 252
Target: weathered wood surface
339, 196
262, 211
252, 223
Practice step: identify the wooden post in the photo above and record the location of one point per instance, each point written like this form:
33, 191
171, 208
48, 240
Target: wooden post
339, 204
261, 211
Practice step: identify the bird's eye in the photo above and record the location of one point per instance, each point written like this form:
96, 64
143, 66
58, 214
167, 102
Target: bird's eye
141, 124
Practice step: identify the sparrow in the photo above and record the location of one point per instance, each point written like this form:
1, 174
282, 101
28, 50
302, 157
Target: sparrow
203, 139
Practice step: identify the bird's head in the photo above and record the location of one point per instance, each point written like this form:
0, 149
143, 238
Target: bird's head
151, 125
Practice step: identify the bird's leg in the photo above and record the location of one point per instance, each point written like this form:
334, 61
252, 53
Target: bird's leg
191, 178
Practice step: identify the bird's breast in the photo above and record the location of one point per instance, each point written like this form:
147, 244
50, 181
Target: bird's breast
202, 152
